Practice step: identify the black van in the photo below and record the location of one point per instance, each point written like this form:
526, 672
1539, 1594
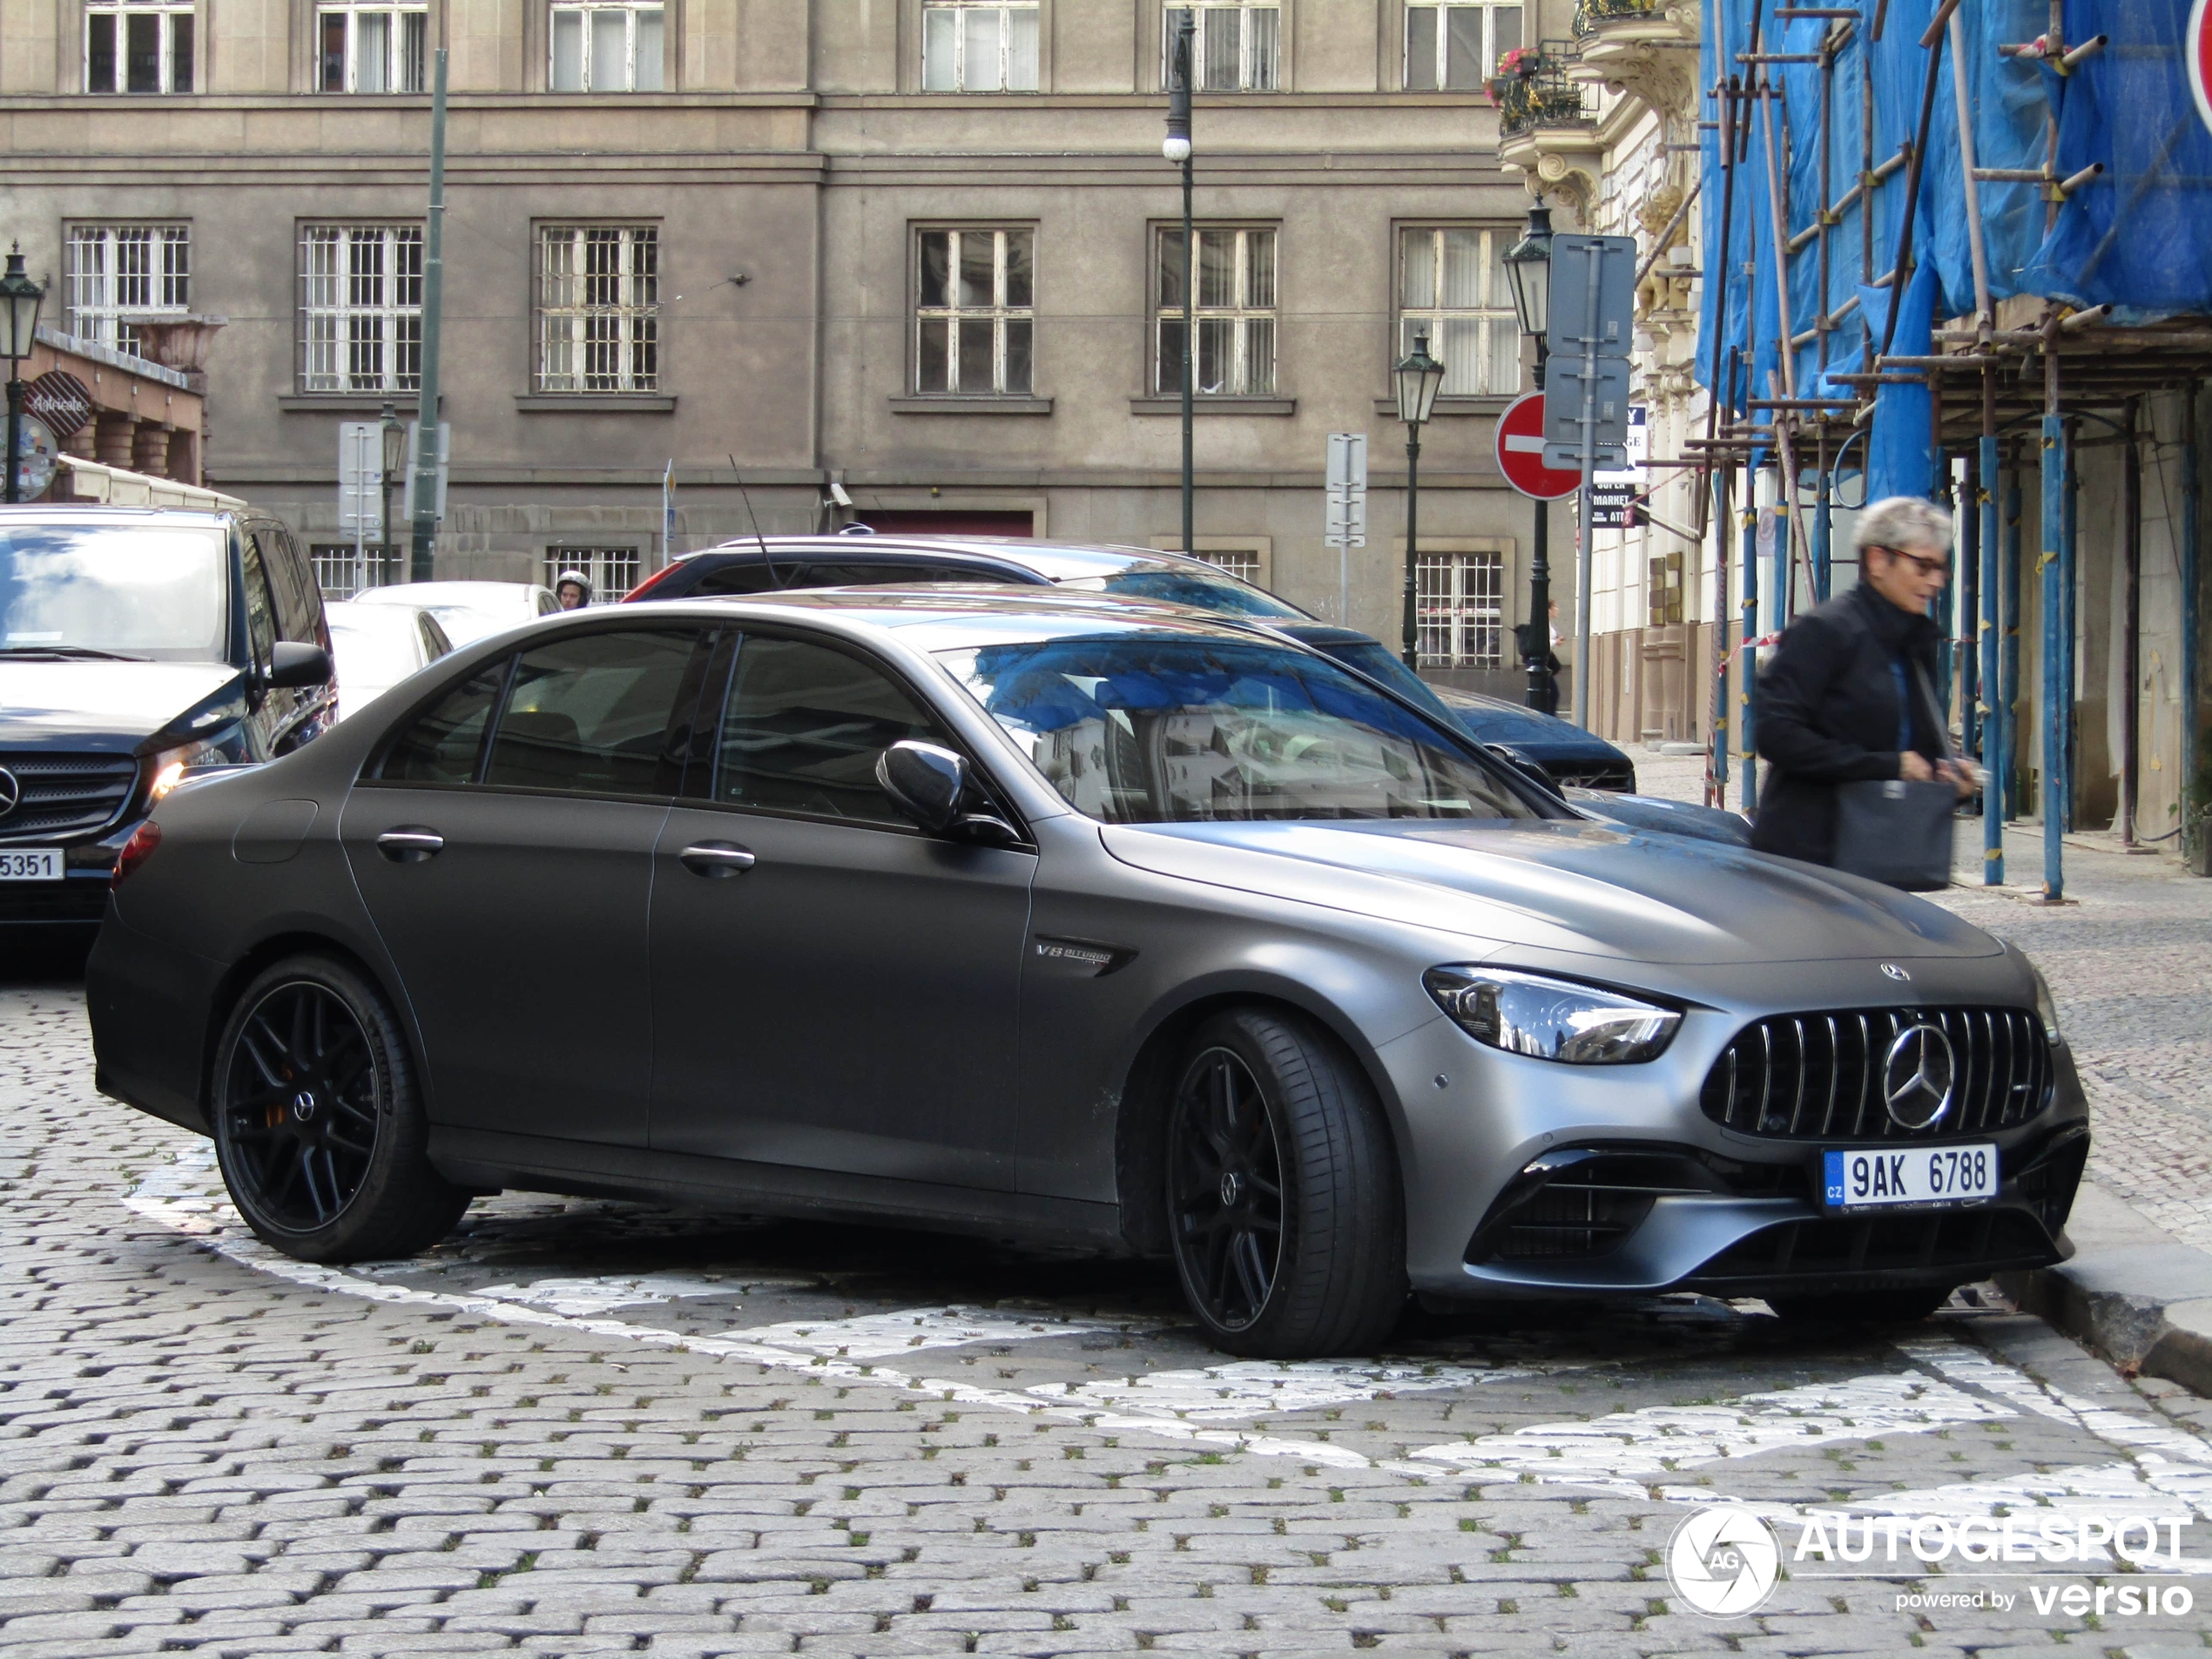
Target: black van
136, 643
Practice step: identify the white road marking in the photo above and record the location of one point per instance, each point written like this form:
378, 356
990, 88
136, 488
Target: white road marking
877, 1336
1253, 1388
583, 1297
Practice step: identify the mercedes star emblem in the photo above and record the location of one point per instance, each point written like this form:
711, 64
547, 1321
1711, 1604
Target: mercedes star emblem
11, 792
1891, 970
303, 1105
1916, 1077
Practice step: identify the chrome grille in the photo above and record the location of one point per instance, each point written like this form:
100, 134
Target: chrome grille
1808, 1077
65, 794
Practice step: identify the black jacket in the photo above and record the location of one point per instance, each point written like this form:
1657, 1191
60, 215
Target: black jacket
1828, 715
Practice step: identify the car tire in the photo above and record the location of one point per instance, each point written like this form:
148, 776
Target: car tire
1284, 1213
318, 1119
1861, 1307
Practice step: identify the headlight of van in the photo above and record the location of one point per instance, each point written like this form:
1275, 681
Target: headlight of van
1552, 1018
165, 767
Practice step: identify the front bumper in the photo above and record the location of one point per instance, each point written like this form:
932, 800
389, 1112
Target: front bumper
79, 898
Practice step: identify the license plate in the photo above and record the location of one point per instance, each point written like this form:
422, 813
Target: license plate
31, 864
1874, 1179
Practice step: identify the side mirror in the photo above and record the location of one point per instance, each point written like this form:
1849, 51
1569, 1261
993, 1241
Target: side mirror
927, 783
1521, 764
294, 663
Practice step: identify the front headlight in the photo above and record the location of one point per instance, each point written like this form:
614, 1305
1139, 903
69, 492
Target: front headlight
1552, 1018
2047, 1007
164, 768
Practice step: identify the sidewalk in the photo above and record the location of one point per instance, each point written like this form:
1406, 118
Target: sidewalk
2129, 959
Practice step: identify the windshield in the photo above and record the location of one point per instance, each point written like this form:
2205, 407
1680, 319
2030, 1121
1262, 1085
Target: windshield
375, 648
1149, 728
1217, 591
1377, 662
151, 592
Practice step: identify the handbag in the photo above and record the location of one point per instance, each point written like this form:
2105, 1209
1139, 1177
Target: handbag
1899, 832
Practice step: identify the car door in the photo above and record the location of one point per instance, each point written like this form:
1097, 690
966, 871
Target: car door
833, 990
503, 840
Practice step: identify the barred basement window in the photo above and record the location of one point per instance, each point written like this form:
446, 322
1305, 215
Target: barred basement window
612, 47
121, 275
1452, 287
360, 307
598, 308
613, 571
1459, 609
1235, 270
1238, 48
1243, 563
371, 48
973, 322
141, 47
971, 47
1457, 48
340, 577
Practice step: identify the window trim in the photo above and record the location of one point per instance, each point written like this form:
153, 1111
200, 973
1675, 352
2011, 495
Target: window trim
352, 10
392, 387
163, 234
1488, 65
1502, 547
646, 395
1286, 34
1000, 315
169, 10
542, 47
921, 66
1451, 403
1157, 314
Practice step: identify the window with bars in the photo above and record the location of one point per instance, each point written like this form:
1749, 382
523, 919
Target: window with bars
613, 571
598, 308
1243, 563
360, 307
976, 46
612, 47
1234, 271
1460, 609
141, 47
371, 48
1457, 48
974, 323
1236, 48
121, 275
342, 575
1452, 287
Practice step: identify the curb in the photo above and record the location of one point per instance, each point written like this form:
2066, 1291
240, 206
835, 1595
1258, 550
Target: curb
2132, 1290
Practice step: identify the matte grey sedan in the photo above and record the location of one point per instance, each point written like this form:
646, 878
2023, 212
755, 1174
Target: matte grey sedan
1069, 919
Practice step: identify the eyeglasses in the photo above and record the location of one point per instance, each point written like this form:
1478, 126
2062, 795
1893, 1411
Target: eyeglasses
1925, 567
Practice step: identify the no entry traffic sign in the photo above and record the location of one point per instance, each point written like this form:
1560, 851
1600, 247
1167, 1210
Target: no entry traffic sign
2196, 58
1520, 452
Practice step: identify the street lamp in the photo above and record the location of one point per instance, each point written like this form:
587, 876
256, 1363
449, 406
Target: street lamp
395, 436
1420, 378
1528, 269
1177, 148
18, 329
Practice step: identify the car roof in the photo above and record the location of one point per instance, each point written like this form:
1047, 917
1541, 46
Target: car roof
447, 593
50, 513
1056, 561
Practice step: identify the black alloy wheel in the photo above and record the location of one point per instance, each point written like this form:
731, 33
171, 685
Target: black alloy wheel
1225, 1191
1284, 1209
318, 1120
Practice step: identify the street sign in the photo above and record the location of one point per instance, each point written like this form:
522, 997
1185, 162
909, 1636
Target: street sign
1347, 490
1520, 452
1577, 262
1612, 506
361, 478
59, 399
445, 455
1609, 378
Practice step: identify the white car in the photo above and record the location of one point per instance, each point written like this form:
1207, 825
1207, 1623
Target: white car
469, 610
379, 646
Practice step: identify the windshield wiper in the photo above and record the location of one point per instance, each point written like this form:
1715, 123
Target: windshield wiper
86, 653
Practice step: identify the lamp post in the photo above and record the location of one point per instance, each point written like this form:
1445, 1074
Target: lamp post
19, 298
1177, 148
1420, 378
393, 433
1528, 268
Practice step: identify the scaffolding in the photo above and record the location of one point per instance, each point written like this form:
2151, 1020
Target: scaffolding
1940, 241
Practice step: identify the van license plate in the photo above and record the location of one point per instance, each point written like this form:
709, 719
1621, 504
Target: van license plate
30, 864
1873, 1179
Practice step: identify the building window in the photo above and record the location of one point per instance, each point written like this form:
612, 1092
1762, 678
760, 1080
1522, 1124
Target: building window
360, 307
371, 49
1243, 563
1461, 613
341, 577
613, 571
970, 47
598, 308
974, 321
121, 275
1457, 48
1237, 49
142, 47
612, 47
1452, 287
1235, 271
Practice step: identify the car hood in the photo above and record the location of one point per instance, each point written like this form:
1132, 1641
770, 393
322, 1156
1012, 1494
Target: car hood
99, 705
1585, 888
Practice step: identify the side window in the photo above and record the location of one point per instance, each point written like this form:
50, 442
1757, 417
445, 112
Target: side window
591, 713
295, 607
260, 609
441, 744
802, 727
752, 576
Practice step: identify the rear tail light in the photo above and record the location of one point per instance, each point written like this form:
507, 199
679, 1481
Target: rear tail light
645, 590
136, 851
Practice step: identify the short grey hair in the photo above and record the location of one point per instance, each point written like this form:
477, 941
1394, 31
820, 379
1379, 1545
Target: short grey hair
1903, 521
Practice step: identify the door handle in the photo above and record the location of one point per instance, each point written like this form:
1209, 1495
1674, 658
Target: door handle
410, 844
716, 858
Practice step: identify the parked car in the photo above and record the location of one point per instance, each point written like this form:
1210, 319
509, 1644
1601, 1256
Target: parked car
469, 610
1573, 757
379, 646
1062, 918
136, 643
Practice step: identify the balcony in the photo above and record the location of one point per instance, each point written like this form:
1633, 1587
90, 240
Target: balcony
1547, 122
1645, 48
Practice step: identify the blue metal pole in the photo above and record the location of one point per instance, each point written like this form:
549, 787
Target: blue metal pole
2192, 504
2069, 715
1993, 713
1969, 590
1748, 662
1721, 515
2052, 669
2009, 691
1822, 532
